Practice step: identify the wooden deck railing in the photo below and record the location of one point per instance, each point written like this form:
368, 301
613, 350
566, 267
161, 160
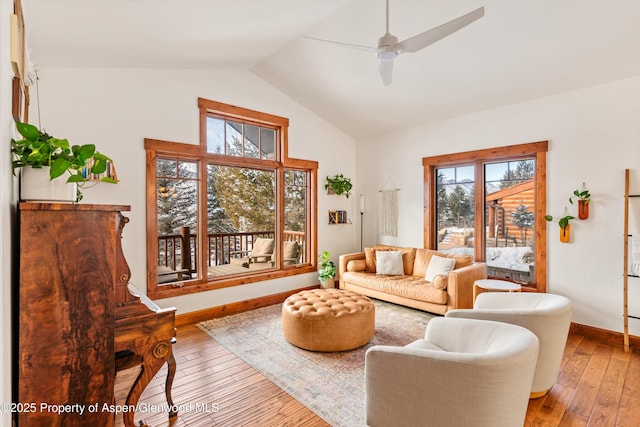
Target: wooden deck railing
220, 246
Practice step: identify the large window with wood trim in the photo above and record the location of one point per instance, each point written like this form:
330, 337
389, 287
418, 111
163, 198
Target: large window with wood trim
234, 209
491, 204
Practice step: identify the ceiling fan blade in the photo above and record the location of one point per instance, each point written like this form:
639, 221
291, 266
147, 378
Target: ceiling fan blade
422, 40
349, 45
386, 71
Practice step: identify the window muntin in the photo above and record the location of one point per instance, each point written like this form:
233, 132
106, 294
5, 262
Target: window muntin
515, 174
233, 141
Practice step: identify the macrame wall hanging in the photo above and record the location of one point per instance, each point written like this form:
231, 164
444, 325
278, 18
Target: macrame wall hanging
390, 212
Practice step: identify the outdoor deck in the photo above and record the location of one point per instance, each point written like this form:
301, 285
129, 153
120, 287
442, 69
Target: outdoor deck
178, 253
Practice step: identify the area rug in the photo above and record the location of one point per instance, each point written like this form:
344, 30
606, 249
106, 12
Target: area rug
330, 384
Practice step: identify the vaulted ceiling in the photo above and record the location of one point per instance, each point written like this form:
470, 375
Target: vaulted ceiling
520, 49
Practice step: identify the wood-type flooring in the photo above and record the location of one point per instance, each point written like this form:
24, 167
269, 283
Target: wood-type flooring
599, 385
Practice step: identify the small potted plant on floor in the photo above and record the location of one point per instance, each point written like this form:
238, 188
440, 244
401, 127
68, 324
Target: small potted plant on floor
584, 198
339, 185
43, 158
327, 271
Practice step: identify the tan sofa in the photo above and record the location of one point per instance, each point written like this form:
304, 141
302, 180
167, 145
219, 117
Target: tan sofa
358, 272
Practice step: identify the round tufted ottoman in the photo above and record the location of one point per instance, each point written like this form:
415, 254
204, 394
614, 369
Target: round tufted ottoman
328, 319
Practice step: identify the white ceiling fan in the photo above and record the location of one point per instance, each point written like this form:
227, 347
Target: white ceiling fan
389, 47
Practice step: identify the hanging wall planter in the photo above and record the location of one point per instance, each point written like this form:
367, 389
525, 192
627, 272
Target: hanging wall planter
565, 227
584, 198
565, 233
583, 209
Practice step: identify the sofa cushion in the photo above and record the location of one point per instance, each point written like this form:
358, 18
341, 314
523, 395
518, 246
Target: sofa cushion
408, 257
423, 256
389, 263
290, 250
356, 265
440, 282
404, 286
370, 257
439, 266
262, 250
370, 260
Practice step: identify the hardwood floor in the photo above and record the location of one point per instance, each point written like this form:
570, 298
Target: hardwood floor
599, 385
213, 387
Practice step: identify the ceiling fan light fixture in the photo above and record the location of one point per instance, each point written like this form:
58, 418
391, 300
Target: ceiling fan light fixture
387, 55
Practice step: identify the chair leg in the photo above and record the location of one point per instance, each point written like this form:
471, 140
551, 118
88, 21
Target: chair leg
171, 372
538, 394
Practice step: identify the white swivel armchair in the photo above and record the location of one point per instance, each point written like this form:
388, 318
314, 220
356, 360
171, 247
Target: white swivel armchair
463, 373
546, 315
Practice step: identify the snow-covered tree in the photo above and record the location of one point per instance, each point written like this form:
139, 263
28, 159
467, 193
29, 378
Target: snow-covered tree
523, 218
461, 206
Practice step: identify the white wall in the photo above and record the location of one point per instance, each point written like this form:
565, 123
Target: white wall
593, 134
117, 108
7, 211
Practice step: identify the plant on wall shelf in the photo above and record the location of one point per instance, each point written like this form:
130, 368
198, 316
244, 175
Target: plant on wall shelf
339, 185
584, 198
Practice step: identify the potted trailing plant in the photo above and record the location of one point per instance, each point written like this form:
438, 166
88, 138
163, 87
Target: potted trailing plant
565, 227
339, 185
584, 198
38, 153
327, 271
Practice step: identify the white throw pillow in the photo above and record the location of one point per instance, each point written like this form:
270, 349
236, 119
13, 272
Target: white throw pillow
389, 263
439, 266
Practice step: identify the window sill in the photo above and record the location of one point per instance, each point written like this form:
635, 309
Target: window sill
169, 290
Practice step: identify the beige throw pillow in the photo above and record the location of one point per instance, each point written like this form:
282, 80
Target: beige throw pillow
262, 247
389, 263
290, 250
439, 266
